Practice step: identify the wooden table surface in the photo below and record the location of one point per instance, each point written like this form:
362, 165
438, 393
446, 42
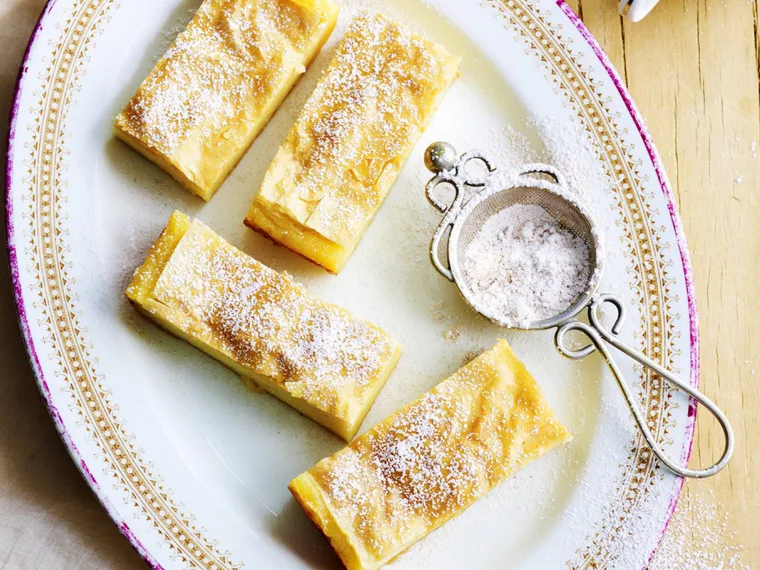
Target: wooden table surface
693, 67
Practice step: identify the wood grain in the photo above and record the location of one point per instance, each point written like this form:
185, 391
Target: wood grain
693, 68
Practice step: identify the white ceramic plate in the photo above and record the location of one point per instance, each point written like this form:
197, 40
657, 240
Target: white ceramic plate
192, 467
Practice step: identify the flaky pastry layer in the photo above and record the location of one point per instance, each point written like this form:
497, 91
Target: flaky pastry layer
218, 85
345, 151
429, 461
308, 353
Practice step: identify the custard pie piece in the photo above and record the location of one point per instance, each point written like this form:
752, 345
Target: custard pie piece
310, 354
345, 151
429, 461
220, 82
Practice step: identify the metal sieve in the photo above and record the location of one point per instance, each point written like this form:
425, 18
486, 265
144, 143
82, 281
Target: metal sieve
544, 186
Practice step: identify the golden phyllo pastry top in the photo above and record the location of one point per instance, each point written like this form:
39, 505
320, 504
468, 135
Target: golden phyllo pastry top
357, 128
431, 460
272, 326
199, 103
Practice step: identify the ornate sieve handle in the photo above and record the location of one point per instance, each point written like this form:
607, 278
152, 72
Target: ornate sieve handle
600, 337
435, 245
449, 169
526, 170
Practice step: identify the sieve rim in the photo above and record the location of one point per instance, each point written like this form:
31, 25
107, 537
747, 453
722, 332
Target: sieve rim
559, 193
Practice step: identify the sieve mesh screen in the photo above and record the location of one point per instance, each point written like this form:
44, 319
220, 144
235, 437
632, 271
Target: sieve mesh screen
567, 214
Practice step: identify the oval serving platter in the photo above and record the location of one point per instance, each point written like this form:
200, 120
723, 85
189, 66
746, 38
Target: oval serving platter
191, 466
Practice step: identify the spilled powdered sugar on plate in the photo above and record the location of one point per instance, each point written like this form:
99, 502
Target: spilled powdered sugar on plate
170, 34
699, 537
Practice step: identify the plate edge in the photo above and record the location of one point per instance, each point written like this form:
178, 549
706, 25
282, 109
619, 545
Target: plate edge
21, 314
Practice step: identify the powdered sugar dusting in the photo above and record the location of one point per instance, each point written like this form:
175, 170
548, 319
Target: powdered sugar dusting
354, 133
222, 69
434, 458
271, 325
170, 34
524, 266
699, 538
